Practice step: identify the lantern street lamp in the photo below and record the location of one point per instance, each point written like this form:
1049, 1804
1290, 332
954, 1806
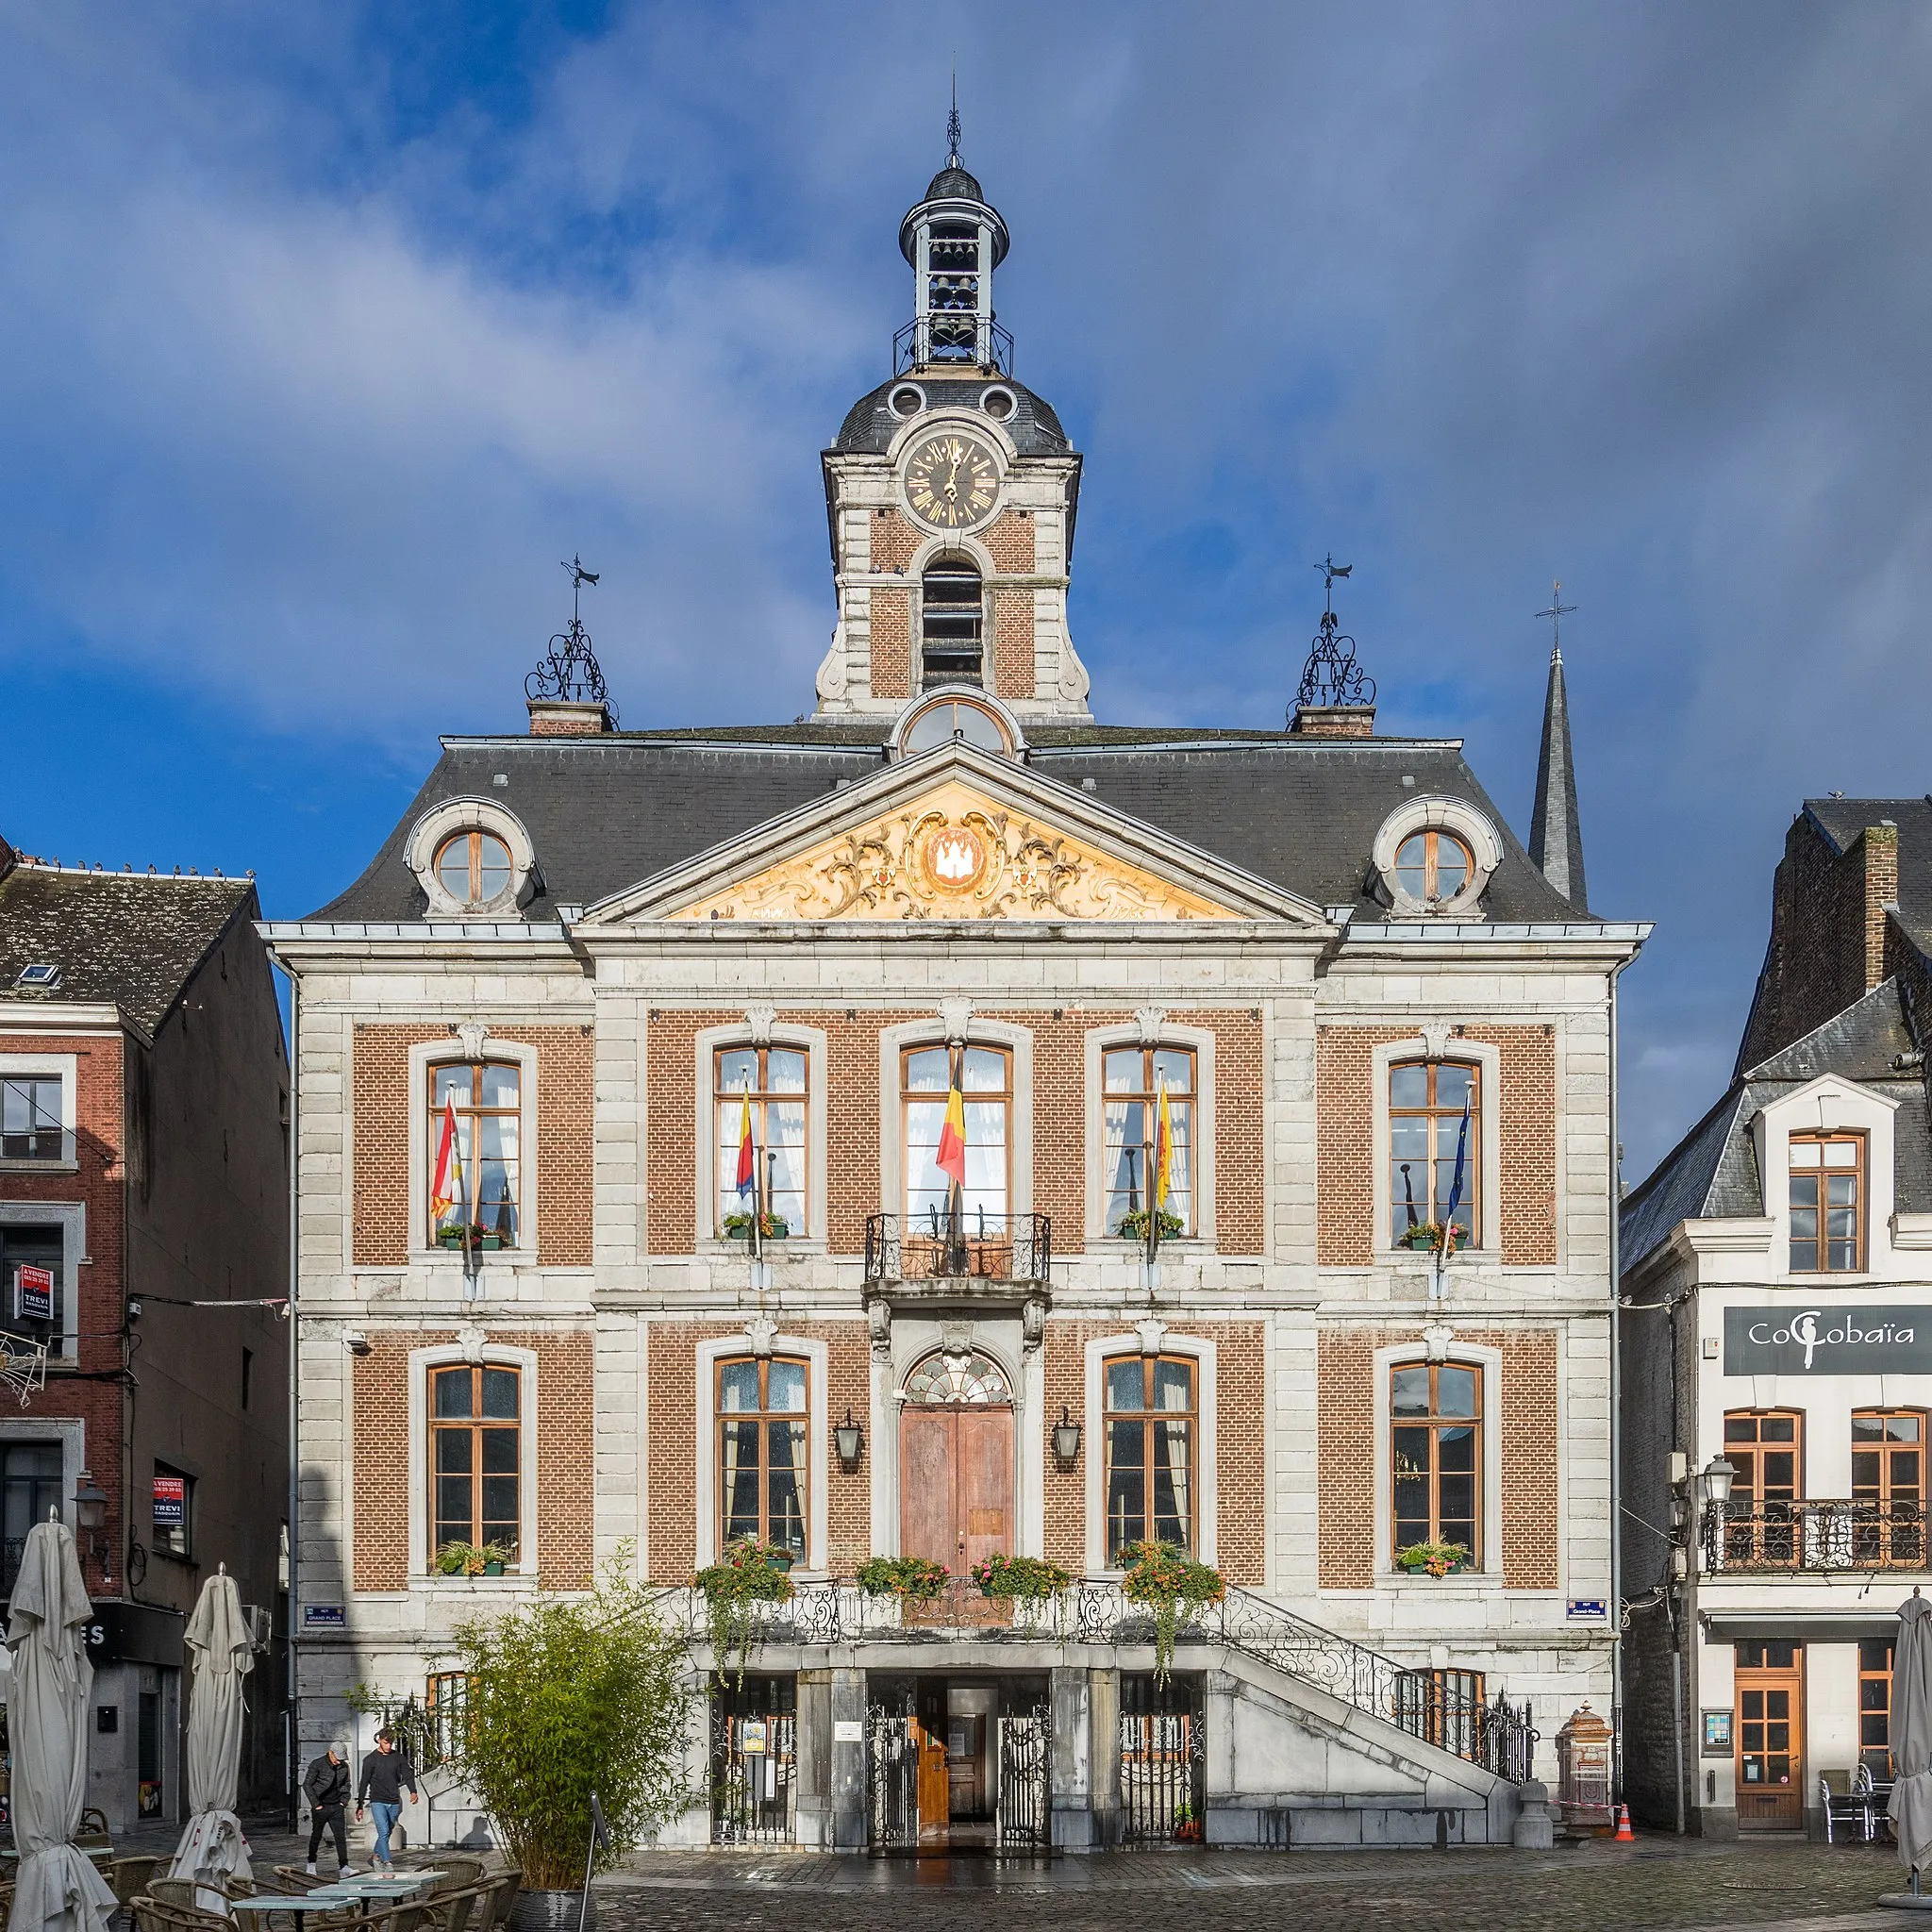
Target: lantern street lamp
1716, 1479
848, 1440
1066, 1439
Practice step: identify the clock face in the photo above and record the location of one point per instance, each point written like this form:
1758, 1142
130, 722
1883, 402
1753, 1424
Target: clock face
951, 480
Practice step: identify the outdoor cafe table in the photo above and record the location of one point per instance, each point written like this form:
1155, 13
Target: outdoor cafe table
360, 1890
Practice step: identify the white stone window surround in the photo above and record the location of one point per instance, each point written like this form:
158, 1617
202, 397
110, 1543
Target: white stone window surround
1435, 812
453, 815
1467, 1356
1205, 1353
1201, 1042
429, 1053
453, 1355
71, 1218
817, 1430
64, 1067
783, 1033
1490, 1100
72, 1437
893, 1040
1828, 1104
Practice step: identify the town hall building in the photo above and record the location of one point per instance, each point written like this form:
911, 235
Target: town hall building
947, 1126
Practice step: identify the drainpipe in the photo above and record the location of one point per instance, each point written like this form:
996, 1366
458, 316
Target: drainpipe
1616, 1605
291, 1754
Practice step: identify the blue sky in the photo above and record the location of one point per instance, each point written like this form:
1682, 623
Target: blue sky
326, 330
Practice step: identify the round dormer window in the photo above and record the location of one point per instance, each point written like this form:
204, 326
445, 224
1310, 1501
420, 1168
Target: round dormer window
999, 404
906, 400
474, 867
1432, 867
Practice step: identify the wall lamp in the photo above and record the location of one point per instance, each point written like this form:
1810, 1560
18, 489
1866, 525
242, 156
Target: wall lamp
848, 1440
1066, 1439
1716, 1480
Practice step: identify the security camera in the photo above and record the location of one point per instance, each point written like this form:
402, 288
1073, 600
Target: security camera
356, 1341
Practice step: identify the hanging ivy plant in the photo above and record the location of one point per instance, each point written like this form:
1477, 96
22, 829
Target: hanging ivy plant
1029, 1577
749, 1574
1170, 1584
912, 1579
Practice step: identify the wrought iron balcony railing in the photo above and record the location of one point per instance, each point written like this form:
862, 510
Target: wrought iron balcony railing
1831, 1533
1442, 1708
977, 1246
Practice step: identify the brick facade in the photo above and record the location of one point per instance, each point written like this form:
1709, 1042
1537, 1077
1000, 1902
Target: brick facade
891, 642
1346, 1153
386, 1113
1013, 643
1240, 1441
896, 542
671, 1536
1525, 1411
1009, 543
560, 1512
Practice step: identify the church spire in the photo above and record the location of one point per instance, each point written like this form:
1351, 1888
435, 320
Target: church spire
1556, 836
953, 240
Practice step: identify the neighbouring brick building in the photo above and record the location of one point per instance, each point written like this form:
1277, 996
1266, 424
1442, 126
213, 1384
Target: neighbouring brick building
143, 1186
1778, 1268
597, 957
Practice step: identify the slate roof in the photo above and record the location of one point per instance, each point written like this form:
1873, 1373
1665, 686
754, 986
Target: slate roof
606, 813
1712, 1173
870, 426
127, 939
1842, 819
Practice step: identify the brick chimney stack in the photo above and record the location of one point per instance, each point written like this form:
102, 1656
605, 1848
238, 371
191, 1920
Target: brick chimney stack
565, 718
1332, 720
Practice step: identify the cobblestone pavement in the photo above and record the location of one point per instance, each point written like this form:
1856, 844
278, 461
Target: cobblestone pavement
1657, 1882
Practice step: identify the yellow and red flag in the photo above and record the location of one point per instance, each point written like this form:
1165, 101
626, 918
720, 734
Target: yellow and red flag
1163, 1150
747, 1157
951, 1159
447, 1189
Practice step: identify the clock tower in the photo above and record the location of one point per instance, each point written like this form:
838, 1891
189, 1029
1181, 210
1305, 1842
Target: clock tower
951, 495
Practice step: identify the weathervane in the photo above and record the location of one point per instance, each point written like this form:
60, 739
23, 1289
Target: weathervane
1558, 611
1331, 675
568, 672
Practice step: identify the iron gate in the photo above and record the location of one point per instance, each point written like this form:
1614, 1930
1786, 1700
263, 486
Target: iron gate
1163, 1761
1025, 1749
891, 1778
753, 1791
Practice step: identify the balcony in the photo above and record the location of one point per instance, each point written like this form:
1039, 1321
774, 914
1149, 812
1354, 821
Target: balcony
1745, 1536
976, 1257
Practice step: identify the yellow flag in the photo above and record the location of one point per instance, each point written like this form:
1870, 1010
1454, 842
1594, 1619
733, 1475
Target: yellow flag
1163, 1150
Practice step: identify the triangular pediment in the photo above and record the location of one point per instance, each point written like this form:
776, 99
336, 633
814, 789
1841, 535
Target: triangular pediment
954, 834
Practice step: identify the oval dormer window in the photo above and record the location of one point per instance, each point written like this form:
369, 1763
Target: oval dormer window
955, 718
1433, 866
474, 867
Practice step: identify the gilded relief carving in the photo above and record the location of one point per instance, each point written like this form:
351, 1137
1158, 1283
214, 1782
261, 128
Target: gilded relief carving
955, 855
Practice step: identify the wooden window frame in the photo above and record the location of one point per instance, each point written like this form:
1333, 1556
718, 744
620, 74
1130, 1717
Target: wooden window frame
1821, 1243
1440, 1120
474, 835
763, 1416
474, 1423
925, 1097
1435, 1422
1876, 1758
471, 1114
1886, 1491
1148, 1414
1148, 1096
725, 1103
1433, 837
1762, 1537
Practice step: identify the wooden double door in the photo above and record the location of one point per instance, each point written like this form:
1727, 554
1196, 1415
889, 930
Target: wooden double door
955, 1486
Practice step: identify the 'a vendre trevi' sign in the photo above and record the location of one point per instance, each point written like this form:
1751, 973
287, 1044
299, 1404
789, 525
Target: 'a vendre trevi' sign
1793, 1339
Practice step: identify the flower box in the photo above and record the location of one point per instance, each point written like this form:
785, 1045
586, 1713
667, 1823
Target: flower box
772, 1227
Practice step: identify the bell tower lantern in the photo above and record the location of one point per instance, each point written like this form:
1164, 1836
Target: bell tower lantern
951, 495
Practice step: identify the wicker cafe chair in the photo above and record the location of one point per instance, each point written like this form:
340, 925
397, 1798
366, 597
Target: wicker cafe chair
127, 1877
458, 1874
153, 1914
93, 1828
509, 1881
464, 1911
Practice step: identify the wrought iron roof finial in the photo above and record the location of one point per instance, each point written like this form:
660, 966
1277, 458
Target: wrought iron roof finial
1331, 676
568, 672
953, 122
1558, 611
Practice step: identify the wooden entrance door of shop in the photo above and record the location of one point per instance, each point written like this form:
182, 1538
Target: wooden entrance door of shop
955, 1487
1771, 1737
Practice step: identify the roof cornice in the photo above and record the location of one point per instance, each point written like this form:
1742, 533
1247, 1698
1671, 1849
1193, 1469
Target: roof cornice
70, 1016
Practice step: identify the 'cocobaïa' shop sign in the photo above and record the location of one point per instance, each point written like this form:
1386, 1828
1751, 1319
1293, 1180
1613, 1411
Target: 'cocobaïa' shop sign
1797, 1340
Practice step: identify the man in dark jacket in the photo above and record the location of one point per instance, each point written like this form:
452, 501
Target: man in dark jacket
326, 1788
386, 1774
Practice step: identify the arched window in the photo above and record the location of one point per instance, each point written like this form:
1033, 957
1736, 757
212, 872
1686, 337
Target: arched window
1435, 1457
947, 719
485, 1182
952, 623
1152, 1417
1428, 1101
969, 1378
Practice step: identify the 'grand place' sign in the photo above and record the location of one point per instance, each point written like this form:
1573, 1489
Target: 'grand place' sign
1797, 1340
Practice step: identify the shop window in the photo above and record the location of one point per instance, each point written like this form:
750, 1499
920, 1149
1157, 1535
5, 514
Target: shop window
1135, 1078
770, 1083
476, 1458
1435, 1457
476, 1183
763, 1438
985, 1076
1428, 1101
1828, 1203
1152, 1425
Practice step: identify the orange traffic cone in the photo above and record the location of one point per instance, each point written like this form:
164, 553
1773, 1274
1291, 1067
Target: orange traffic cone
1624, 1834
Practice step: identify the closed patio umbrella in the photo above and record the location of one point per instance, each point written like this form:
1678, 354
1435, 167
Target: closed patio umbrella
57, 1888
212, 1847
1910, 1807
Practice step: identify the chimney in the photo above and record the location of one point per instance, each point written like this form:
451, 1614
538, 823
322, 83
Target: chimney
1332, 720
568, 718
